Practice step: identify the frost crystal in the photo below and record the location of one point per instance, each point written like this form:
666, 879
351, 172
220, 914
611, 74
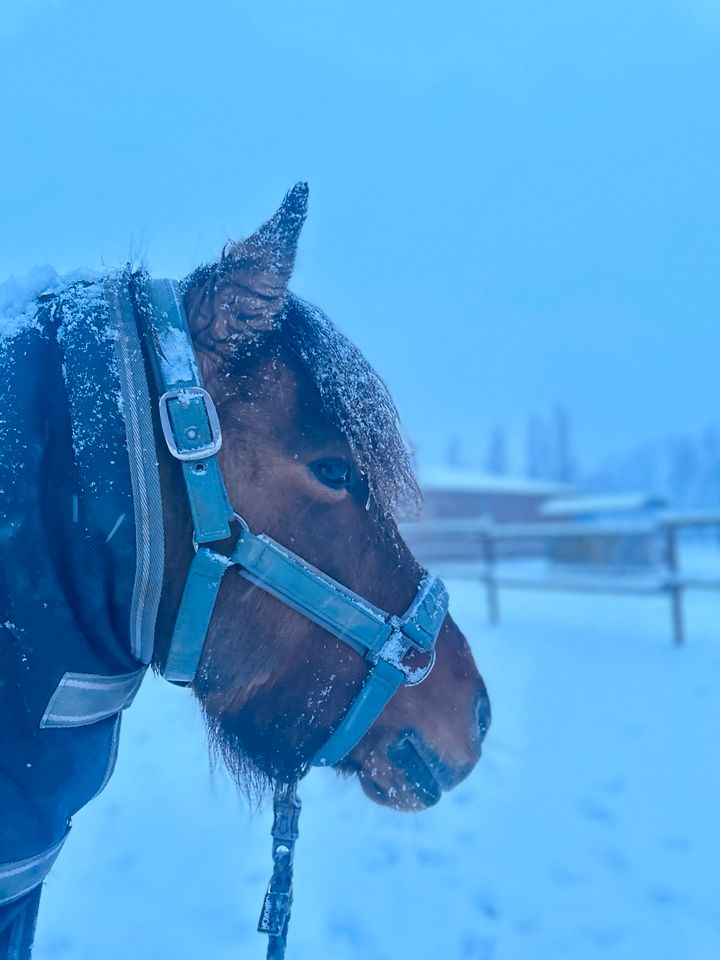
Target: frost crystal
176, 356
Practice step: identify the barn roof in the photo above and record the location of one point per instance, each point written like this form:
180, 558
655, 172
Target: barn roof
456, 480
602, 504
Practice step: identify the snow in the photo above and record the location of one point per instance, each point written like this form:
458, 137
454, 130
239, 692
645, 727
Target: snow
589, 831
18, 295
610, 503
177, 357
475, 481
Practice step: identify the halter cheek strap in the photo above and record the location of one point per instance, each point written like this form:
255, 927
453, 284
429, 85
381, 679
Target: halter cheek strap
192, 433
187, 414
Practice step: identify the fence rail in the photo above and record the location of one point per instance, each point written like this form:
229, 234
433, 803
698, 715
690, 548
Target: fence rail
470, 549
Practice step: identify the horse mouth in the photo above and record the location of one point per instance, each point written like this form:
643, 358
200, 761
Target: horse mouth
423, 777
421, 768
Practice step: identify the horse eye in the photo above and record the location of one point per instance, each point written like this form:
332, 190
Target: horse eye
334, 472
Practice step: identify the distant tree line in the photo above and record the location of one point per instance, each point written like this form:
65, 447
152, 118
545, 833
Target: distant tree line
685, 469
548, 451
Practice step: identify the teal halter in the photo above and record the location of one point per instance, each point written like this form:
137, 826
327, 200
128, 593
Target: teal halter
192, 432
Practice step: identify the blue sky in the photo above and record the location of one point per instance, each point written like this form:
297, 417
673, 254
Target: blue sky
513, 204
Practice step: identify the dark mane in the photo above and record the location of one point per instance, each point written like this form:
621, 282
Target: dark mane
356, 401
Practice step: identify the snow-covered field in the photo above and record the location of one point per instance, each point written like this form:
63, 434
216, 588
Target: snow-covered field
591, 828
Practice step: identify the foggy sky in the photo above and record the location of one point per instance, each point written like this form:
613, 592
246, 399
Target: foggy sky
513, 204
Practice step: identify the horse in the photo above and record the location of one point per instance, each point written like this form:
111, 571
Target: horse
314, 654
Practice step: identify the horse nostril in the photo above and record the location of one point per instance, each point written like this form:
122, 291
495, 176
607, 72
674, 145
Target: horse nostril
483, 716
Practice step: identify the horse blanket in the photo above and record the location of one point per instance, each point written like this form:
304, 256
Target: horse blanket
81, 559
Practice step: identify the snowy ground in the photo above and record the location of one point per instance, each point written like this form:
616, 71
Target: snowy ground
591, 828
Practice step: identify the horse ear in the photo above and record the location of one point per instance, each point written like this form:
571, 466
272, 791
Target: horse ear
246, 291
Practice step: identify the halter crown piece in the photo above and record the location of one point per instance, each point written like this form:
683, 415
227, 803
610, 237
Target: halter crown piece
191, 429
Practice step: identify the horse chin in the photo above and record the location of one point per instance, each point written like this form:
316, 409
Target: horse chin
402, 793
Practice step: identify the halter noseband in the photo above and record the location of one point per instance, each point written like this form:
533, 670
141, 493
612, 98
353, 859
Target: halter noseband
192, 432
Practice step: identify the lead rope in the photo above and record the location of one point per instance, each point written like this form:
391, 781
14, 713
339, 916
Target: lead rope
275, 914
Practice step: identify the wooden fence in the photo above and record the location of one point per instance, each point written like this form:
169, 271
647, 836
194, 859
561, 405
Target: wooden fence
475, 549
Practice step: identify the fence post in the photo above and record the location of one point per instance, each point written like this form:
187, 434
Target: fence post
491, 587
674, 588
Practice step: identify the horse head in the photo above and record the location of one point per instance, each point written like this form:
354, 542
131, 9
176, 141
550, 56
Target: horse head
313, 456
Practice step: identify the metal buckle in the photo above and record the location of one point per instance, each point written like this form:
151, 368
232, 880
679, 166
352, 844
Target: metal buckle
424, 646
414, 677
392, 652
183, 395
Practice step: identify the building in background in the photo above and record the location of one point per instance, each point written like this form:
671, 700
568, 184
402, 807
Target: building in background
458, 503
627, 520
615, 508
613, 533
451, 493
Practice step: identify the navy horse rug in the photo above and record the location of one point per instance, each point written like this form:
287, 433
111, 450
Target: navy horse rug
81, 560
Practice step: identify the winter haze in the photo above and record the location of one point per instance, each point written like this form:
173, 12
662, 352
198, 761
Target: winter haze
514, 213
513, 206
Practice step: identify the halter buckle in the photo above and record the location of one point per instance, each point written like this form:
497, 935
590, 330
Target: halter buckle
398, 645
415, 677
192, 427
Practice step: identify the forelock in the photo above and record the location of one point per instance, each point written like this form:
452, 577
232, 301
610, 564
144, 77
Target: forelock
356, 401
